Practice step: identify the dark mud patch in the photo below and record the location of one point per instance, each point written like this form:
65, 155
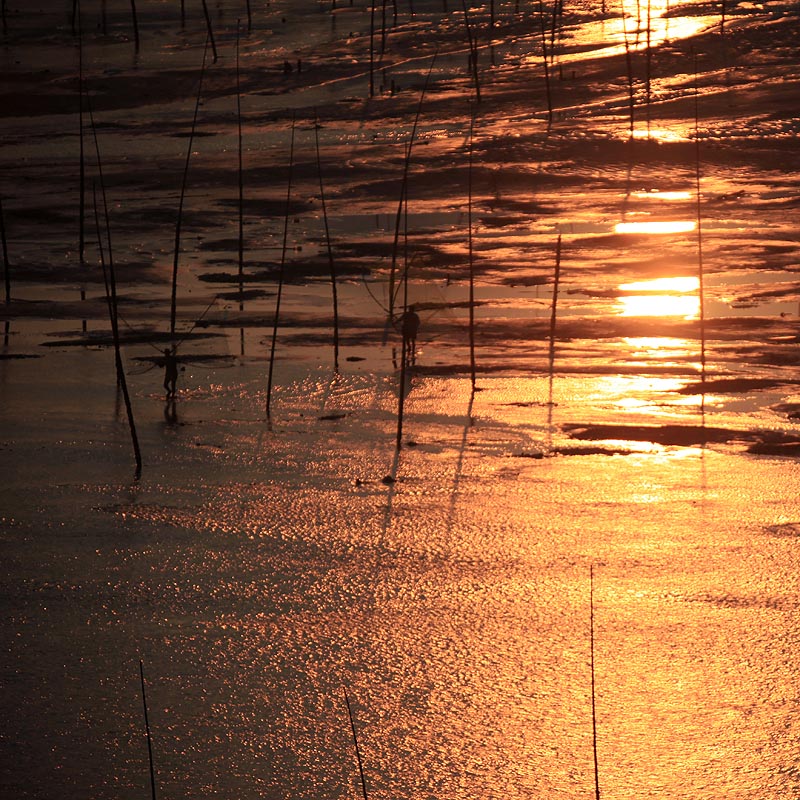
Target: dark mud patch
786, 529
757, 442
733, 385
589, 450
105, 339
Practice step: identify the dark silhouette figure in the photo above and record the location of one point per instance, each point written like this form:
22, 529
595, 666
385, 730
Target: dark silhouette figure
287, 68
409, 328
170, 372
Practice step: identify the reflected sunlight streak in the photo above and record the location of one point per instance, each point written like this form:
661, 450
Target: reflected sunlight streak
656, 226
662, 297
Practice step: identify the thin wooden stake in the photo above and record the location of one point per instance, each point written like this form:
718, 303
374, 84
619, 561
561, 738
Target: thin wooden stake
700, 269
471, 260
210, 30
177, 248
241, 189
279, 294
111, 290
331, 262
546, 67
355, 742
403, 192
82, 163
553, 307
594, 706
135, 25
147, 731
6, 263
473, 53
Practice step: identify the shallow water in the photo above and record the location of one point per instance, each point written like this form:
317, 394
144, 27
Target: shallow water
259, 569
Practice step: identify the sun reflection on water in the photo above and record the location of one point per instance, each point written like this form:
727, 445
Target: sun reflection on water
661, 297
656, 226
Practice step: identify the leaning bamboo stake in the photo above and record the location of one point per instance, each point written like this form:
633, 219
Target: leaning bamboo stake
473, 52
147, 732
700, 270
553, 308
6, 263
177, 248
281, 273
111, 289
135, 25
372, 50
82, 160
471, 259
591, 663
403, 193
404, 358
241, 189
111, 295
331, 262
210, 31
552, 351
629, 68
355, 742
544, 64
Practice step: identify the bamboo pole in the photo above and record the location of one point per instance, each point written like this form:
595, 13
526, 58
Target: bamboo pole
177, 248
700, 268
147, 732
594, 703
403, 192
135, 25
281, 272
82, 160
331, 262
6, 262
210, 31
404, 358
545, 65
471, 260
111, 296
241, 189
372, 49
473, 53
355, 742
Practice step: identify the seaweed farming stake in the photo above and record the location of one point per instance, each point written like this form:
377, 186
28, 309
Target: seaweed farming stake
147, 732
629, 66
111, 291
210, 31
241, 189
135, 26
473, 53
331, 262
355, 742
594, 707
280, 273
6, 264
76, 11
552, 353
471, 260
700, 269
546, 68
404, 191
173, 305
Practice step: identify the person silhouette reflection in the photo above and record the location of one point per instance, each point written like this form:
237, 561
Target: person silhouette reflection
409, 327
170, 372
